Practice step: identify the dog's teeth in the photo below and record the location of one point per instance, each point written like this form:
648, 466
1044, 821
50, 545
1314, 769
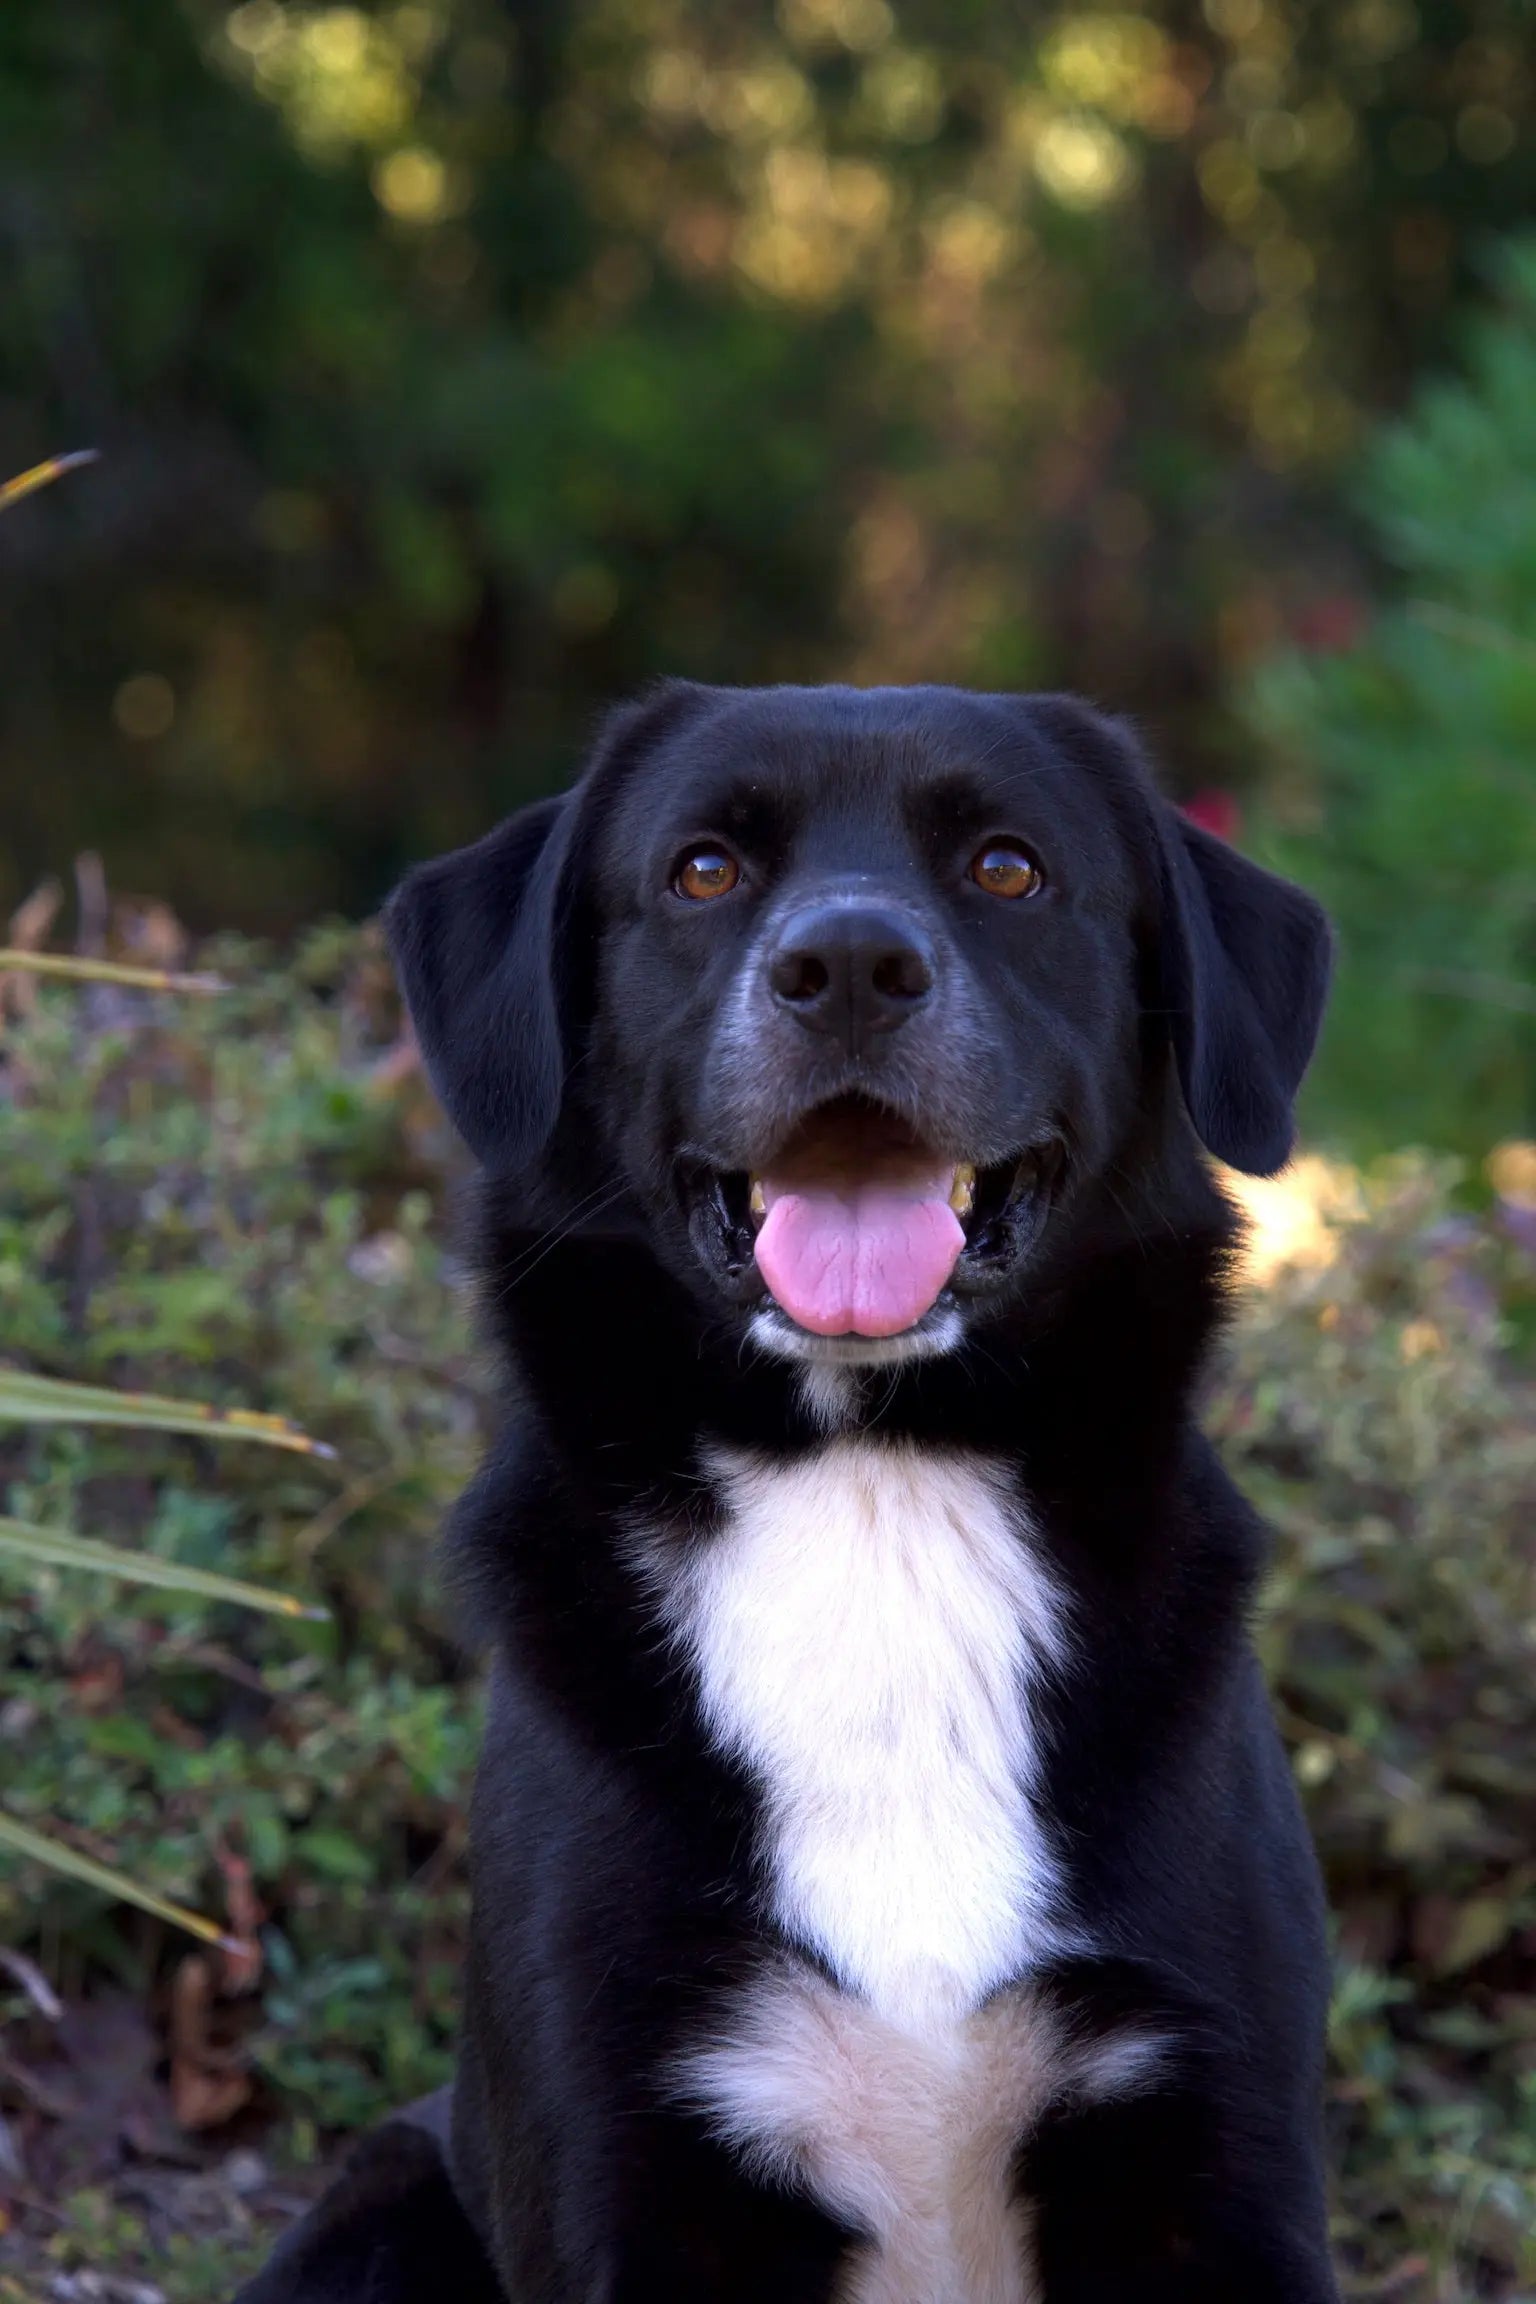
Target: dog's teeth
962, 1193
756, 1202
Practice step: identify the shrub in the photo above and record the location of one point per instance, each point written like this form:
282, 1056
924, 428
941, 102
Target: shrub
1372, 1407
227, 1198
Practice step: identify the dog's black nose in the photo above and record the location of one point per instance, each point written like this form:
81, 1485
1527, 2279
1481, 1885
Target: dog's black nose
851, 969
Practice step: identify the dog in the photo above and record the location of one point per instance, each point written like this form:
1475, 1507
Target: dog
889, 1885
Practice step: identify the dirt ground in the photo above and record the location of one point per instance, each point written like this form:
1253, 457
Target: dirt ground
105, 2196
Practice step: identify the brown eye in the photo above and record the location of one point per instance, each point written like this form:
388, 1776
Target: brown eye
1006, 871
707, 872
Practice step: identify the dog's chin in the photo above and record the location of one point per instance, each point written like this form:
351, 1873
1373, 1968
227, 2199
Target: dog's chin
1008, 1204
940, 1330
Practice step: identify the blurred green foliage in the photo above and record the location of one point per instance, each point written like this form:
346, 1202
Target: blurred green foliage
227, 1196
459, 363
1406, 764
247, 1198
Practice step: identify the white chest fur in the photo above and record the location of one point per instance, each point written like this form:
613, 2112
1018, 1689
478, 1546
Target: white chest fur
910, 2138
868, 1627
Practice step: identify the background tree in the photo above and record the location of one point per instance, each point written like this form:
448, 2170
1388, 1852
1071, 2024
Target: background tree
1406, 765
458, 365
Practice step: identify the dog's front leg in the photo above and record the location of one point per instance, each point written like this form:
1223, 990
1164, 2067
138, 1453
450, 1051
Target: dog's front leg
1173, 2200
390, 2230
688, 2226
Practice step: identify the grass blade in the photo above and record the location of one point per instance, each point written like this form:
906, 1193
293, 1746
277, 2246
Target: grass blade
60, 1548
63, 964
43, 475
29, 1399
40, 1848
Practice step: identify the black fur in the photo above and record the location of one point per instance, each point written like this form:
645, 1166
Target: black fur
1162, 994
390, 2226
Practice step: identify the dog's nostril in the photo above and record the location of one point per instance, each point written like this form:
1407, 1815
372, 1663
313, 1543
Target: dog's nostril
903, 975
852, 969
799, 976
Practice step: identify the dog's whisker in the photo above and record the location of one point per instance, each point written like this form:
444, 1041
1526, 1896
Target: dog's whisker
592, 1204
531, 1263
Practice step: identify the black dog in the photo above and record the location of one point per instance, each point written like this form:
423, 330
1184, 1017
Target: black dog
889, 1885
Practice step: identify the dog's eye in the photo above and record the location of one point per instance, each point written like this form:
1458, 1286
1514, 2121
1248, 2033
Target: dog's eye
1006, 871
705, 873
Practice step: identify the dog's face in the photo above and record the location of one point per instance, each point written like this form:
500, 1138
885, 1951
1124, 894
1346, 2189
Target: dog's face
864, 972
847, 994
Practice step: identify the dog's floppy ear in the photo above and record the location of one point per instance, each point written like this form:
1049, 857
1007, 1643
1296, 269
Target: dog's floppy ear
1244, 957
473, 935
485, 942
1245, 965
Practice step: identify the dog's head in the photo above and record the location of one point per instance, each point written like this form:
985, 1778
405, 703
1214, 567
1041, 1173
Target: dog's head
849, 997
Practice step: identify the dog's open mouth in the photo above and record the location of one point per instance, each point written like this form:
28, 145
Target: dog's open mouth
856, 1227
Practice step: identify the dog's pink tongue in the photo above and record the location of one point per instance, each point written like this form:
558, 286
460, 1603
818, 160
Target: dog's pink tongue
866, 1258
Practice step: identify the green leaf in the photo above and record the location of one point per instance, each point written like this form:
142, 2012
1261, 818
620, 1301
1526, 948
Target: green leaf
325, 1850
1481, 1927
29, 1399
58, 1548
